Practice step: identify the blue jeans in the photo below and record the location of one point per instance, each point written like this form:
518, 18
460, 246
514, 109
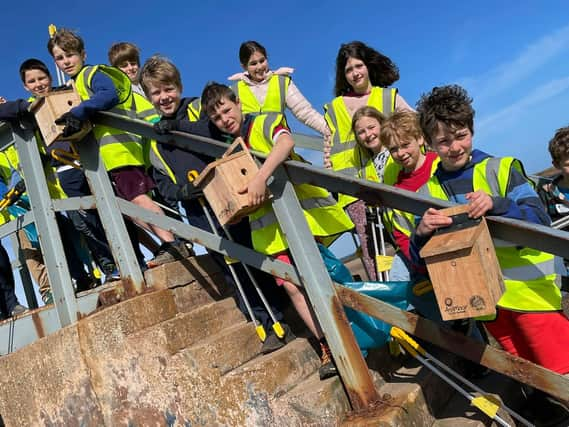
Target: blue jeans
400, 271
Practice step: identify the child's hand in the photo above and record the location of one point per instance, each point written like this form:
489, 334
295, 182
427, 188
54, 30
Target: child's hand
257, 190
479, 203
432, 220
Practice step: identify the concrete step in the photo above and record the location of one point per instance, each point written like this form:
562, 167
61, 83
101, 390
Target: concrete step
228, 349
110, 326
201, 269
402, 404
187, 329
409, 397
458, 421
193, 295
312, 401
277, 372
504, 389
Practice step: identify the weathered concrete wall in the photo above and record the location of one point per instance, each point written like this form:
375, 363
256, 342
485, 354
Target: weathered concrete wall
181, 355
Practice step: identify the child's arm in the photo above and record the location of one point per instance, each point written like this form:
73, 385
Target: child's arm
258, 185
104, 97
304, 112
13, 110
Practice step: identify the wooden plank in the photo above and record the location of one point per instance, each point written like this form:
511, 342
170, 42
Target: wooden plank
514, 367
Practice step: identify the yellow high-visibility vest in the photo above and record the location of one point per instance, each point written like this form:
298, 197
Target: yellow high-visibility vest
346, 155
118, 148
324, 216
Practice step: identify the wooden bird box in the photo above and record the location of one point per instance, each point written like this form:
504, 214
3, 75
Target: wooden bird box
463, 267
221, 180
49, 108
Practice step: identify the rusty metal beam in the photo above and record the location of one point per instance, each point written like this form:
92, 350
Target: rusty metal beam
321, 293
514, 367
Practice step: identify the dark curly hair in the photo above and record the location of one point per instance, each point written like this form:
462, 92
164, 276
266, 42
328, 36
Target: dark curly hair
449, 105
559, 145
382, 71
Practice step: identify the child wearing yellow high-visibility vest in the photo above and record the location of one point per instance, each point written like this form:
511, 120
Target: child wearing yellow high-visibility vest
268, 133
529, 321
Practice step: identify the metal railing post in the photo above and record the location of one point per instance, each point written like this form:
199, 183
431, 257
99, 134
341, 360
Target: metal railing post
48, 231
110, 214
321, 293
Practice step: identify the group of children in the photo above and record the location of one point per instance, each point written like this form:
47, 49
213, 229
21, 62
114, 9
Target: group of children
369, 132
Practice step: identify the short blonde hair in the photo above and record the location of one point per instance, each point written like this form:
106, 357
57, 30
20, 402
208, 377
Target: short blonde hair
400, 126
159, 69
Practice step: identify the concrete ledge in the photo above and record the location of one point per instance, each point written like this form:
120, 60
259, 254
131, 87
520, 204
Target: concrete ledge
48, 383
201, 268
312, 402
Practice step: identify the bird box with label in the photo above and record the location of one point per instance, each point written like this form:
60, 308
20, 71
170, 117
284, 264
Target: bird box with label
463, 267
47, 109
222, 179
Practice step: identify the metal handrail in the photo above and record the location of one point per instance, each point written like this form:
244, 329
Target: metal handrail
309, 266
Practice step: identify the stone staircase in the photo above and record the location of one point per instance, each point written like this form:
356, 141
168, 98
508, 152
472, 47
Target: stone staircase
183, 355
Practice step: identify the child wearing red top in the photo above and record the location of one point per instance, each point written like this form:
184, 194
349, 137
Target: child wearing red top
402, 136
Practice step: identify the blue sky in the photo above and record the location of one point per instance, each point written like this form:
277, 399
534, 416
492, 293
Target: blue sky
511, 56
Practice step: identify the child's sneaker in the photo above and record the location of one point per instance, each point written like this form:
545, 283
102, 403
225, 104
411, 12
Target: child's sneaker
169, 252
112, 274
327, 366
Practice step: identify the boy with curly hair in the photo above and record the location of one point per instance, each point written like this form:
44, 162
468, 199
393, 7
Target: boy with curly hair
529, 321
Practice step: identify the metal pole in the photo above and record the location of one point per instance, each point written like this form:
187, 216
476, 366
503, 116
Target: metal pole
321, 293
110, 214
48, 231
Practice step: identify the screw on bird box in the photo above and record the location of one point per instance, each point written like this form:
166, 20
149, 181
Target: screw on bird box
221, 180
47, 109
463, 267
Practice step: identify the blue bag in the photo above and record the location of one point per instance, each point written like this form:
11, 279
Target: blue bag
369, 332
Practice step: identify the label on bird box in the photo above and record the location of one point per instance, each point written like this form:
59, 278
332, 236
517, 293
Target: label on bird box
463, 268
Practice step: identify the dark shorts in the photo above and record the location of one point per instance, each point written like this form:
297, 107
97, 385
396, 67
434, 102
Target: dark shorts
131, 181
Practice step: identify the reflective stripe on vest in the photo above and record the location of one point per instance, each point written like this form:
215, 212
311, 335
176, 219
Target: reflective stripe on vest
345, 154
529, 274
324, 217
194, 110
158, 162
306, 204
118, 148
275, 99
